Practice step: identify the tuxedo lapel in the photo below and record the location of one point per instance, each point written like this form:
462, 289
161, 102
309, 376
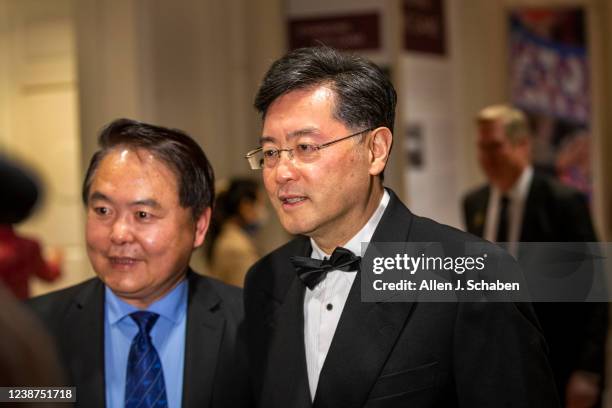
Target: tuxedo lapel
286, 379
83, 344
205, 326
366, 332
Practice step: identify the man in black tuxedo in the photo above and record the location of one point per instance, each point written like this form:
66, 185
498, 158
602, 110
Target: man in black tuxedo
148, 331
520, 205
327, 133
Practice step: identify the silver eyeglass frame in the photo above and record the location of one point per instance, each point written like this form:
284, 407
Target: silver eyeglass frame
251, 154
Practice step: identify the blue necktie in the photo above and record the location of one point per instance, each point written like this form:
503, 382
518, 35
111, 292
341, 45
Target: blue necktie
144, 383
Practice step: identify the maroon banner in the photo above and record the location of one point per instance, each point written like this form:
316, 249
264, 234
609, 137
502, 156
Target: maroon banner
355, 32
424, 26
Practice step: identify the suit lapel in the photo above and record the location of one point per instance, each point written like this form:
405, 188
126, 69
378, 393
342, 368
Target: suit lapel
478, 215
366, 332
286, 379
84, 344
533, 217
205, 326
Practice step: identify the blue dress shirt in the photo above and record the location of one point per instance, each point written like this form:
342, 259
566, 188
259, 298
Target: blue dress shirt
168, 337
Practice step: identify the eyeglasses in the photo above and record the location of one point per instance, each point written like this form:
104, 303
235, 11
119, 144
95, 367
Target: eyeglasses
302, 152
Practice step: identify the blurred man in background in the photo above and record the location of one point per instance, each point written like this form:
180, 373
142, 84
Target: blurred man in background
520, 205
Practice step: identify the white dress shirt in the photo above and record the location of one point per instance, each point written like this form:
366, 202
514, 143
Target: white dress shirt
517, 196
323, 305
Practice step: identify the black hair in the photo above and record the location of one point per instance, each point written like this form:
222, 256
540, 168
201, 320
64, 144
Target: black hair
227, 205
20, 190
364, 95
182, 154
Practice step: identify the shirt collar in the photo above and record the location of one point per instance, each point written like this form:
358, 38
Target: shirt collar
171, 306
520, 188
364, 235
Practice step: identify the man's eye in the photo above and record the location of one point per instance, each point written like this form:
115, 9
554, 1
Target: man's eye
270, 153
143, 215
101, 210
306, 148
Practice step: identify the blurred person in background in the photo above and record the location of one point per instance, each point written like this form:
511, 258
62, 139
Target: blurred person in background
28, 357
19, 191
21, 257
519, 205
238, 214
27, 353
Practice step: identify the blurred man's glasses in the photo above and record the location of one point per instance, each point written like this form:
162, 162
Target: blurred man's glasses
265, 157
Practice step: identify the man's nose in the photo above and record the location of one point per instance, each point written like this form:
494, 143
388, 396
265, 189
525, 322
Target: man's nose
285, 168
121, 232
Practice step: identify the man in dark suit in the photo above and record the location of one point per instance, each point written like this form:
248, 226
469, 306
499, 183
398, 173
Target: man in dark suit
519, 205
148, 331
327, 121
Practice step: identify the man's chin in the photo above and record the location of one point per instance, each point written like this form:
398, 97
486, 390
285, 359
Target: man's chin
296, 228
131, 293
127, 289
121, 283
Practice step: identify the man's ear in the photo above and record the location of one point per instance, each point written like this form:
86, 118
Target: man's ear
202, 224
380, 146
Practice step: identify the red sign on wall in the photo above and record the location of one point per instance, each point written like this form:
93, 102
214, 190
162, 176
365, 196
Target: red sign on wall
355, 32
424, 26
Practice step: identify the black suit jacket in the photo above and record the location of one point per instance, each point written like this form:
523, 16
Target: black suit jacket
394, 354
215, 372
575, 332
553, 213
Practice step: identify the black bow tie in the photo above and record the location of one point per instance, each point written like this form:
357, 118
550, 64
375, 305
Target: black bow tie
312, 271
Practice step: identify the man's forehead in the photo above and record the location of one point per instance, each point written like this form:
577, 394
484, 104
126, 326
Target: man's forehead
292, 134
125, 154
491, 129
317, 99
301, 112
492, 123
129, 168
135, 159
317, 92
